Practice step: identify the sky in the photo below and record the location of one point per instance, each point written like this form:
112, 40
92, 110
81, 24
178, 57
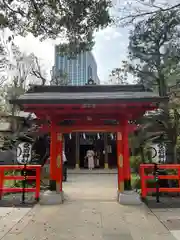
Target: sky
109, 50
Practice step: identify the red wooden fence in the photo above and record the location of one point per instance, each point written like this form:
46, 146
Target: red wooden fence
144, 177
3, 178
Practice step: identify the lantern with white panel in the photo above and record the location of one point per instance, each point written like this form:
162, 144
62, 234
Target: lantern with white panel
24, 153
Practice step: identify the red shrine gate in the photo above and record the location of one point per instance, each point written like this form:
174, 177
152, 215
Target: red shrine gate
96, 108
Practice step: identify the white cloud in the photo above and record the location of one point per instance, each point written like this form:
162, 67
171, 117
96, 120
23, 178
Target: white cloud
43, 50
109, 50
108, 33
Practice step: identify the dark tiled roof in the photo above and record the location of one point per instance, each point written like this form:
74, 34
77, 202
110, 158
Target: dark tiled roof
86, 94
89, 88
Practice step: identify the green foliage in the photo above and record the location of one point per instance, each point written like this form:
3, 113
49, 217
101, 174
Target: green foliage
74, 47
119, 75
135, 162
154, 57
160, 126
59, 78
13, 183
140, 141
71, 20
137, 184
178, 143
154, 46
16, 71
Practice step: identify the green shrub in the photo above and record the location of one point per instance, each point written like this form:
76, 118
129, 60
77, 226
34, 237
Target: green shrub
135, 162
11, 183
137, 183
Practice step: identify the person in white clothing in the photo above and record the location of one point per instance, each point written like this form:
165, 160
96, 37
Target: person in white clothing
90, 157
64, 157
64, 166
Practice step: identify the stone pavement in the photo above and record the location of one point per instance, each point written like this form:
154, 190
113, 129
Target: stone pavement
89, 212
168, 212
9, 217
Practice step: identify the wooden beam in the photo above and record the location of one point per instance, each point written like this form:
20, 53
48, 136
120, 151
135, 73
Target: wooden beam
88, 129
85, 116
124, 104
111, 113
60, 113
46, 128
85, 128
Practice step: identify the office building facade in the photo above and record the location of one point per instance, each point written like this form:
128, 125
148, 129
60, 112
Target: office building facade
78, 69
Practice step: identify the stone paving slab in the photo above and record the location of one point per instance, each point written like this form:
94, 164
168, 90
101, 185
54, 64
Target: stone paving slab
9, 217
176, 234
89, 213
77, 220
167, 212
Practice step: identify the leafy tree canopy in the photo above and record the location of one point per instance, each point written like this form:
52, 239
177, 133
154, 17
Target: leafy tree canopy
59, 78
154, 49
154, 57
72, 20
119, 75
17, 71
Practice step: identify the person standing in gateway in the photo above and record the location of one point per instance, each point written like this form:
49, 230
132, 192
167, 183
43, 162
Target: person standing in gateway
64, 166
90, 156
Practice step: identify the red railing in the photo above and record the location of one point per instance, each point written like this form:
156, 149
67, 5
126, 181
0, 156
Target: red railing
3, 178
145, 189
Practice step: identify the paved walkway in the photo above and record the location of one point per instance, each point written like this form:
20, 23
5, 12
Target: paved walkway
9, 217
168, 212
90, 212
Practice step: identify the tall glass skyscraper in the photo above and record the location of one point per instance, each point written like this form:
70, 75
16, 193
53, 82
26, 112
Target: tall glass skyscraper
78, 70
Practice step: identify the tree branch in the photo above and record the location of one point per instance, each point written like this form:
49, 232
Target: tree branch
131, 18
37, 73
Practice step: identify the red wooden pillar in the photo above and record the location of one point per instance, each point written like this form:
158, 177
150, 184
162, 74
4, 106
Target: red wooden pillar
53, 151
59, 162
120, 163
125, 145
56, 148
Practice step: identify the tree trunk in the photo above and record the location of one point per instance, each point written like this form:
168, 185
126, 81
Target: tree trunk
142, 154
13, 121
170, 150
132, 149
175, 154
162, 85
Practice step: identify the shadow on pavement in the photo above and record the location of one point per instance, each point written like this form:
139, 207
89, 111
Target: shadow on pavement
15, 200
8, 203
165, 202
